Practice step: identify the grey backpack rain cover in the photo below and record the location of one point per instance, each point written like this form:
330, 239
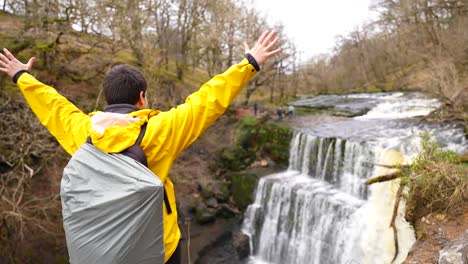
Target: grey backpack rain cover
112, 209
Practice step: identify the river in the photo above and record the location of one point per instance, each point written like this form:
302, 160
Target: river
320, 210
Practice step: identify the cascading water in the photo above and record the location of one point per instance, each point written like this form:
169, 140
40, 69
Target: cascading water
320, 210
345, 164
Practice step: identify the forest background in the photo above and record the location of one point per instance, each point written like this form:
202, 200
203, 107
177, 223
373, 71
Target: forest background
412, 45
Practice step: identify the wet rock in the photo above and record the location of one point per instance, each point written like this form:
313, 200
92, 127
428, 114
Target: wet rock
456, 252
212, 203
222, 193
207, 189
194, 202
205, 215
227, 211
340, 105
241, 243
220, 251
259, 163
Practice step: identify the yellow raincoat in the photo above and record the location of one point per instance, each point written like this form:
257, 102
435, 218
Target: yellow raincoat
167, 133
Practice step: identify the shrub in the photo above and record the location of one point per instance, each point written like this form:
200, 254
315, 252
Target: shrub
437, 181
256, 139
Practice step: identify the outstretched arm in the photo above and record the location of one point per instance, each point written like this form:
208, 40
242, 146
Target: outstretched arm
68, 124
187, 121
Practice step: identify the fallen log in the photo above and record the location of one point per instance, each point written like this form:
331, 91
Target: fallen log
399, 166
383, 178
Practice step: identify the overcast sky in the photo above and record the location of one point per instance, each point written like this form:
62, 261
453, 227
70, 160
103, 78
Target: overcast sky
314, 24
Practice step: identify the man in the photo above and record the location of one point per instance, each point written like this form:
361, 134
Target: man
279, 111
291, 111
255, 106
117, 128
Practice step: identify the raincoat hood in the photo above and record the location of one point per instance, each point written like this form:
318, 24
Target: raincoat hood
118, 127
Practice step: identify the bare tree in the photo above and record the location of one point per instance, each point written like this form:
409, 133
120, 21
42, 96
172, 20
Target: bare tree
188, 21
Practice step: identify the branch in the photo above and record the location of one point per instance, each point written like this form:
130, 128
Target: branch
399, 166
31, 171
384, 178
392, 222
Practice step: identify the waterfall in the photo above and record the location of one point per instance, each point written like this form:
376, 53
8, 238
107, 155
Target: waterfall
320, 211
302, 220
344, 164
307, 214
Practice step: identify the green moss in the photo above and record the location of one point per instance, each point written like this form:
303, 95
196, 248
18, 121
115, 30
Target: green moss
16, 44
308, 111
236, 158
44, 45
257, 139
276, 141
204, 215
125, 56
373, 89
243, 188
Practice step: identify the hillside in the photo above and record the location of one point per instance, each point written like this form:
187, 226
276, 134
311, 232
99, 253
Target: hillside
31, 161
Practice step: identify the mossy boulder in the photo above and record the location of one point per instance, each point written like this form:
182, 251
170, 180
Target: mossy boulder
222, 194
236, 158
243, 188
204, 214
257, 138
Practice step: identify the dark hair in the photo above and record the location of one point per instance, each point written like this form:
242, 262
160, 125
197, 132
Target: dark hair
123, 84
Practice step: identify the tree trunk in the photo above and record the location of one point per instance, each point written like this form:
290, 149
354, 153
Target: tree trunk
248, 93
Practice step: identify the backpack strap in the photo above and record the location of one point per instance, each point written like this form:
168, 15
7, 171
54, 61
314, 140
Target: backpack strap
135, 151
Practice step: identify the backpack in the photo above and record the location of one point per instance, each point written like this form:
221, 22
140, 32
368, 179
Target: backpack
112, 207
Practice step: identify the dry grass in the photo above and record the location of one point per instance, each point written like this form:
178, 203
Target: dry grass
438, 182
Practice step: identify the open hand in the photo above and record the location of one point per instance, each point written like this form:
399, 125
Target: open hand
263, 48
10, 65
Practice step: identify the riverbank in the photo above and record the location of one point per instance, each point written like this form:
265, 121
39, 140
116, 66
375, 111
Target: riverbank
436, 231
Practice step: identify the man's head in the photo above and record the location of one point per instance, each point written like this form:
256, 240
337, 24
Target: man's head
124, 84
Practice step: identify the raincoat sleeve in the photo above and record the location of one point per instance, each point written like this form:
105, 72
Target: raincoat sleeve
68, 124
186, 122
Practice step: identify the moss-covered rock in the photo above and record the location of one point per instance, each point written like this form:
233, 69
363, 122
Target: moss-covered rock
243, 188
236, 158
257, 138
207, 189
204, 214
223, 193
